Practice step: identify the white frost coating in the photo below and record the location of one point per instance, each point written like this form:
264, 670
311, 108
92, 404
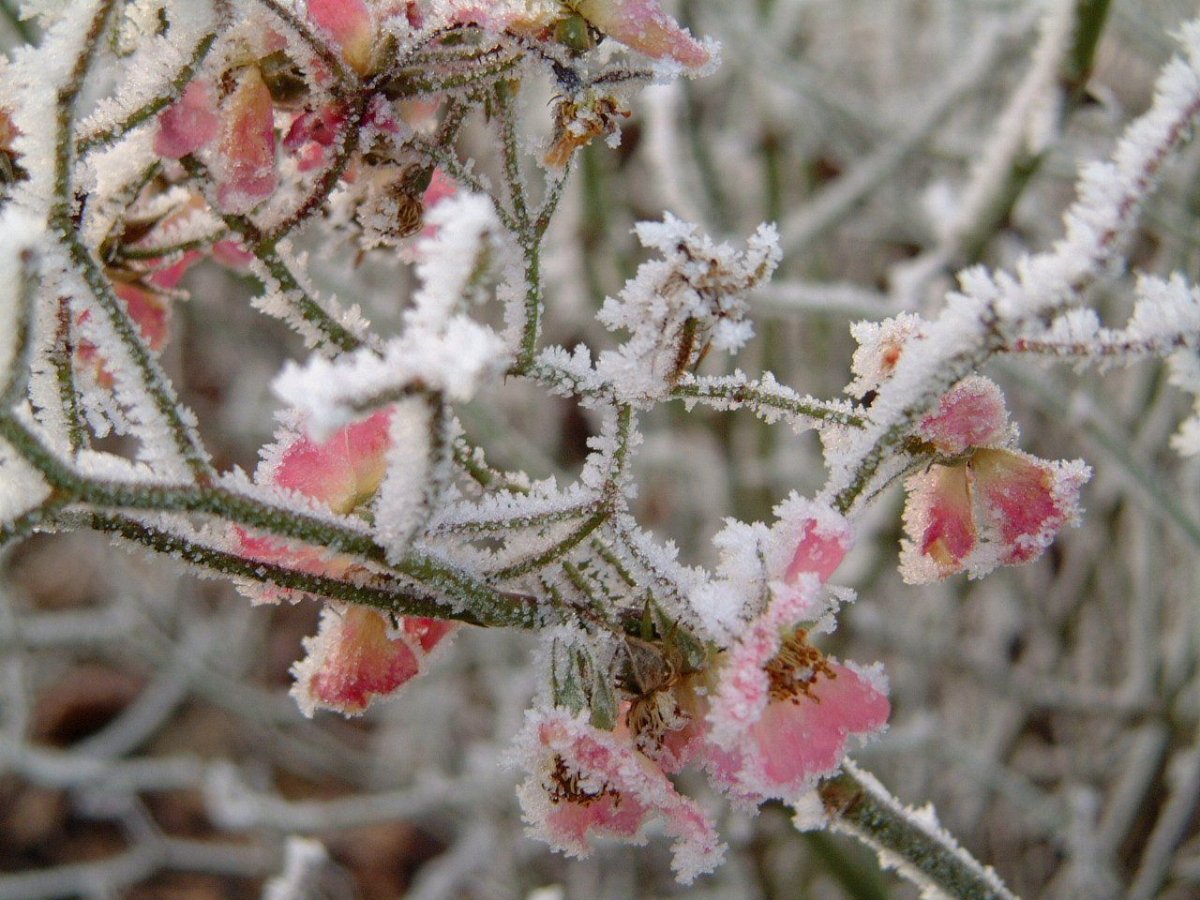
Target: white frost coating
405, 496
21, 485
808, 812
455, 363
676, 306
32, 82
453, 259
441, 350
304, 859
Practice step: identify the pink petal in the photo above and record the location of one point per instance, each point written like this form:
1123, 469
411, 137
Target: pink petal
971, 414
232, 255
342, 471
797, 741
351, 661
188, 124
587, 783
642, 25
427, 633
940, 524
349, 25
1027, 499
822, 545
247, 145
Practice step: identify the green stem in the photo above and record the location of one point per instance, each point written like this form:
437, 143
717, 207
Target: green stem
859, 806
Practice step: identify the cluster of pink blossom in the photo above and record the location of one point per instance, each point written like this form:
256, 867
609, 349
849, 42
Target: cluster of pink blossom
731, 680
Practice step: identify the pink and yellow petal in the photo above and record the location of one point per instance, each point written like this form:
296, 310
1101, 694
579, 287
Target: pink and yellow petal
349, 25
800, 740
940, 523
642, 25
247, 173
342, 471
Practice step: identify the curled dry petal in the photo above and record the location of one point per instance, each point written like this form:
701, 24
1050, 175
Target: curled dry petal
351, 660
940, 521
642, 25
587, 783
246, 173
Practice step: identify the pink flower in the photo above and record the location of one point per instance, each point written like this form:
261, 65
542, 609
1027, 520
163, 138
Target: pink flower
772, 714
586, 783
349, 25
246, 174
780, 712
357, 654
998, 506
642, 25
188, 124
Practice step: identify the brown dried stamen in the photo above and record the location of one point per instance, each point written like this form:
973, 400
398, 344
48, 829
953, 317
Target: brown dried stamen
796, 667
566, 786
651, 717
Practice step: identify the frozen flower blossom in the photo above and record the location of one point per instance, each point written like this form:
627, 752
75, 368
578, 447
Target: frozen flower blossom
778, 713
984, 504
586, 783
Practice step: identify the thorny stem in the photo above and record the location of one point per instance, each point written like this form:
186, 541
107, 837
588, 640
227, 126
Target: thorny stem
862, 808
186, 439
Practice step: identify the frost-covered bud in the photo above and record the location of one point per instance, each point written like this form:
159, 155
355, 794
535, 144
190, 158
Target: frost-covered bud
880, 346
679, 306
586, 783
971, 414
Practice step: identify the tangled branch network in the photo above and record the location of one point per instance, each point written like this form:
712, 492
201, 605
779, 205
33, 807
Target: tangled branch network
146, 144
